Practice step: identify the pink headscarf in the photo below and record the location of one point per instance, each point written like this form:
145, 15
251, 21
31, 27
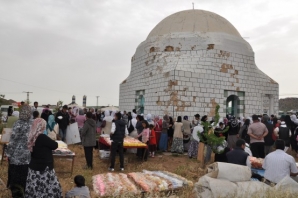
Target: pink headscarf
37, 128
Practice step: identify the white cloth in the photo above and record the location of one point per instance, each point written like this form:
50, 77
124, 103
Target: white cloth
195, 132
107, 117
15, 114
294, 119
278, 165
134, 120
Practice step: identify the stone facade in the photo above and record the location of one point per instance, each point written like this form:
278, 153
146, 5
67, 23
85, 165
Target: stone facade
189, 72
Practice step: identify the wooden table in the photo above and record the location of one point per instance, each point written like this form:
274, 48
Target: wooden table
103, 141
65, 156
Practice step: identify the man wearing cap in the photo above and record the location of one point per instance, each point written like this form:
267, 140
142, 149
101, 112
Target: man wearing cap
62, 118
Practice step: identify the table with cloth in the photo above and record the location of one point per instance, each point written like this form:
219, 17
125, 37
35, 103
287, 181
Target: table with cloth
128, 143
62, 152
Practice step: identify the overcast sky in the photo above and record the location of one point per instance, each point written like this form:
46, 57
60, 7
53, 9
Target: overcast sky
60, 48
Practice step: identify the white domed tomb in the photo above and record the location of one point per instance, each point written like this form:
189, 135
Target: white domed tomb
191, 61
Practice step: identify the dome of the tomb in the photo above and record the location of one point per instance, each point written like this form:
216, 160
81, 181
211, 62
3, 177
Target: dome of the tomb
194, 21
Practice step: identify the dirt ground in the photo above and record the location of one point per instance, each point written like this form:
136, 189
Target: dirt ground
179, 164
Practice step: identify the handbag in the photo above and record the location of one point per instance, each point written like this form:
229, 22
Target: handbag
103, 124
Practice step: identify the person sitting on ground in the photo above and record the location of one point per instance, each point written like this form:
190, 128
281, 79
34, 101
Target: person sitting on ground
238, 155
80, 191
279, 164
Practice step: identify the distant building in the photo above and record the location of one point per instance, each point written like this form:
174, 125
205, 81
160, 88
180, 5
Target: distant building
190, 62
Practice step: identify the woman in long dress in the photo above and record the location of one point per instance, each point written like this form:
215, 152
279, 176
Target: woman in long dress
194, 144
134, 133
177, 146
170, 133
163, 142
18, 153
139, 128
42, 181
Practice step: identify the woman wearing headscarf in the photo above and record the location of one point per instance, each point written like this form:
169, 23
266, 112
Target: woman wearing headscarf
170, 133
133, 122
139, 128
194, 140
186, 132
18, 153
194, 144
107, 123
177, 146
163, 142
51, 128
243, 131
41, 180
295, 131
80, 119
149, 119
157, 128
233, 132
12, 119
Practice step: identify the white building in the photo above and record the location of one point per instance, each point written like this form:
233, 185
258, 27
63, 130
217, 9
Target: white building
191, 61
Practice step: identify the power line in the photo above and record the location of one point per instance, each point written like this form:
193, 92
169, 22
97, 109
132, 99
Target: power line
27, 92
53, 90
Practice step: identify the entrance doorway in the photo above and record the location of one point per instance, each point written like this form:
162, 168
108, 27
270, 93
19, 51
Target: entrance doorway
232, 105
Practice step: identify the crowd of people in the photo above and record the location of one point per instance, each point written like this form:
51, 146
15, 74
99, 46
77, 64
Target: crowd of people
32, 141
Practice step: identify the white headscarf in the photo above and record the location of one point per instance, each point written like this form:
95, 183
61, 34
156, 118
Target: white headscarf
113, 114
15, 114
107, 117
197, 129
294, 119
134, 120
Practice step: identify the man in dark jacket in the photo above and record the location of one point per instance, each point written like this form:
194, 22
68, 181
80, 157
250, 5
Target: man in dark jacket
62, 118
268, 138
88, 133
118, 133
238, 155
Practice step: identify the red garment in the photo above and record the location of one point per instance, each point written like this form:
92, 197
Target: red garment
158, 125
152, 138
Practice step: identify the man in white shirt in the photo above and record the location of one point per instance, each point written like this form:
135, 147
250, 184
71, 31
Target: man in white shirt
34, 108
279, 164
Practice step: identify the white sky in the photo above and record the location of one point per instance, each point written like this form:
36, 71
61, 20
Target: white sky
57, 49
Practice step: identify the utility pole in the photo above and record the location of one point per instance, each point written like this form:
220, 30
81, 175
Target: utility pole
28, 92
97, 102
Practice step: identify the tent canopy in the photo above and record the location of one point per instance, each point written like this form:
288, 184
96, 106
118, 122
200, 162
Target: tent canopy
110, 108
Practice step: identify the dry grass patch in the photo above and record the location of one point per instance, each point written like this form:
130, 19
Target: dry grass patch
179, 164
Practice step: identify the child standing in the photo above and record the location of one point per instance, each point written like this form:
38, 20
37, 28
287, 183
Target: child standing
152, 141
80, 190
145, 138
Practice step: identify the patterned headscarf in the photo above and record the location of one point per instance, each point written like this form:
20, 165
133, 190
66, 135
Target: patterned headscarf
25, 113
37, 128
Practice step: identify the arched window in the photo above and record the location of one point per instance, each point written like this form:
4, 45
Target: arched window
169, 49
